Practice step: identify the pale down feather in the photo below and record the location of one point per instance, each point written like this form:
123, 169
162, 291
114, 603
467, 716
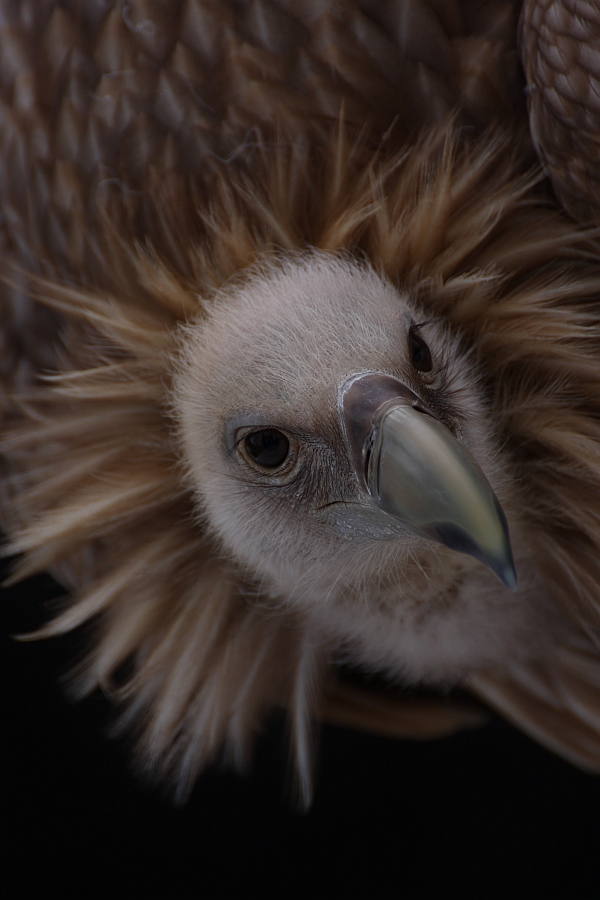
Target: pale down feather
301, 367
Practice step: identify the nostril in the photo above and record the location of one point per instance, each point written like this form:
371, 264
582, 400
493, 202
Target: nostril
368, 454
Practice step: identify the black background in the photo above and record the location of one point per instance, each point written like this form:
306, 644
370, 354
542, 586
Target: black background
484, 814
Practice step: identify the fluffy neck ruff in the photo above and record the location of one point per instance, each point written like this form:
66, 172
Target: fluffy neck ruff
99, 492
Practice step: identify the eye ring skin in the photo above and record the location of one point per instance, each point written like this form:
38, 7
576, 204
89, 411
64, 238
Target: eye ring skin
268, 448
288, 464
239, 427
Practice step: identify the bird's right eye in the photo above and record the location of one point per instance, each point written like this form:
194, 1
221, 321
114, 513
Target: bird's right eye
268, 448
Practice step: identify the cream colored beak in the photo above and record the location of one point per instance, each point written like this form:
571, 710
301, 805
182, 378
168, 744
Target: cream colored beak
416, 470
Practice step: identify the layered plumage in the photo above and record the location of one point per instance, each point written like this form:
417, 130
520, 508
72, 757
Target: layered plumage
155, 196
561, 56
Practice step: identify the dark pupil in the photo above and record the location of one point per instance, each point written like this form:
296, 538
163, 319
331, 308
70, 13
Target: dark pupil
268, 448
421, 355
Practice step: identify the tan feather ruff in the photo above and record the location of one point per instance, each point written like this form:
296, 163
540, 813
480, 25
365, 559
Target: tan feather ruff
98, 493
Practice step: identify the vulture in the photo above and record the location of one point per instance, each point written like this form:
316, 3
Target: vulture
300, 323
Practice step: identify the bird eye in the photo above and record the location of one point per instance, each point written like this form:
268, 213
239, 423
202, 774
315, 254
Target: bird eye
267, 448
420, 353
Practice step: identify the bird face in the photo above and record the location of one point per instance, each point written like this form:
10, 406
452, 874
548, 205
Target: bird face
334, 438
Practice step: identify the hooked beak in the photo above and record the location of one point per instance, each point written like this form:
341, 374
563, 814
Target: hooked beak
415, 470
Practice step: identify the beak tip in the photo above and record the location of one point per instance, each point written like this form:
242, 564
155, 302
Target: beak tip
507, 574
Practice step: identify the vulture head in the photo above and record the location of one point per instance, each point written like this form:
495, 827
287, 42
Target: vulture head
334, 436
302, 366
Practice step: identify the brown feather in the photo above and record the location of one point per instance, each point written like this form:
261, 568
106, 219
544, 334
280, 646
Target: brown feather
560, 45
152, 158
